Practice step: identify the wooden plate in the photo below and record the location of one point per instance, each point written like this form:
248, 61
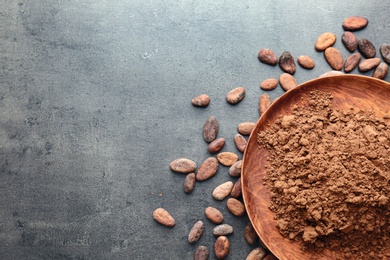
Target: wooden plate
348, 91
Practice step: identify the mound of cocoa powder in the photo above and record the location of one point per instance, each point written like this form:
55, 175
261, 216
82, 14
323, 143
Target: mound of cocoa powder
329, 176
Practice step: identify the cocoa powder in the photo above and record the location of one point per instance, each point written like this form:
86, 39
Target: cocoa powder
328, 173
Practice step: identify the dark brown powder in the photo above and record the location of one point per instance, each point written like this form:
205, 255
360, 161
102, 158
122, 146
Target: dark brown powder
329, 176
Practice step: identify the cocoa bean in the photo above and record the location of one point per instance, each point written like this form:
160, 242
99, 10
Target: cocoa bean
240, 142
381, 71
325, 41
385, 52
227, 158
236, 95
210, 129
235, 206
350, 41
287, 81
246, 128
223, 190
250, 234
237, 190
331, 73
287, 63
352, 61
264, 103
216, 145
201, 253
189, 183
366, 48
201, 101
207, 169
195, 232
268, 56
368, 64
334, 58
214, 215
306, 62
270, 256
269, 84
354, 23
163, 217
235, 169
183, 165
221, 247
256, 254
222, 230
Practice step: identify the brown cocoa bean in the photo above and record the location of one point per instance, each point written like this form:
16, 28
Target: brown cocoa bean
264, 103
385, 52
237, 190
210, 129
381, 71
207, 169
269, 84
368, 64
287, 81
256, 254
189, 183
235, 206
183, 165
235, 169
287, 63
352, 61
366, 48
227, 158
268, 56
195, 232
222, 230
221, 247
240, 142
354, 23
163, 217
334, 58
331, 73
235, 95
270, 256
201, 101
223, 190
350, 41
306, 62
214, 215
325, 41
202, 253
216, 145
246, 128
250, 234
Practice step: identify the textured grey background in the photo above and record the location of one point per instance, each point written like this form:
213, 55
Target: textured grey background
95, 102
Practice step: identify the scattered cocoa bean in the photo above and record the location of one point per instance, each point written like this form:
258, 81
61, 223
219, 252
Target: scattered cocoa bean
256, 254
268, 56
352, 61
334, 58
227, 158
385, 52
202, 253
195, 232
381, 71
201, 101
189, 183
222, 230
269, 84
250, 234
237, 190
270, 256
366, 48
240, 142
214, 215
325, 41
287, 81
246, 128
287, 63
235, 206
264, 103
235, 169
236, 95
223, 190
368, 64
306, 62
183, 165
163, 217
210, 129
331, 73
221, 247
207, 169
216, 145
354, 23
350, 41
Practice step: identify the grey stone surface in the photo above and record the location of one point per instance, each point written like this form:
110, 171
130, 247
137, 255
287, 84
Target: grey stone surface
95, 102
